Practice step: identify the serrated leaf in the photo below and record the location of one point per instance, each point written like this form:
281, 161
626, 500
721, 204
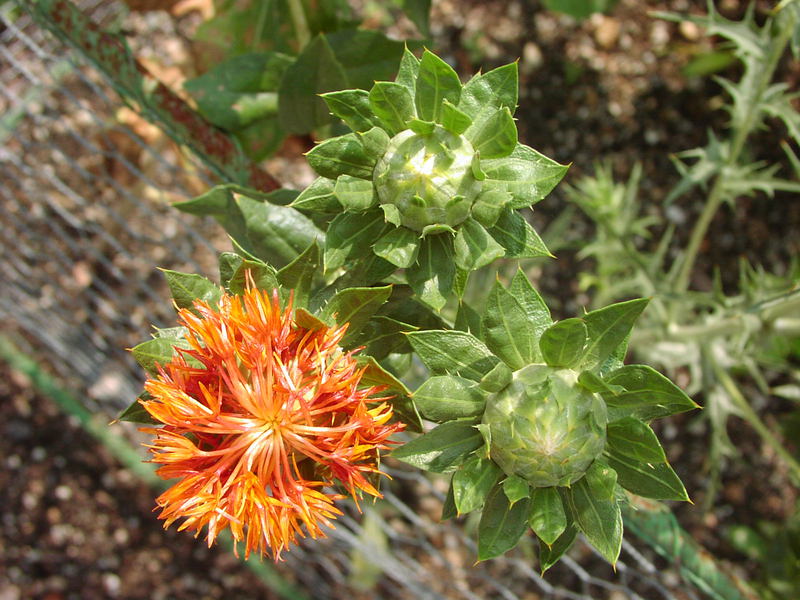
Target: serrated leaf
501, 525
508, 330
350, 236
489, 205
318, 197
354, 194
352, 107
647, 393
407, 73
355, 306
550, 555
156, 352
400, 396
316, 70
299, 274
188, 287
453, 353
563, 344
382, 336
495, 136
496, 89
436, 81
599, 519
448, 397
548, 518
262, 276
535, 307
650, 480
393, 104
517, 236
431, 277
343, 155
474, 247
515, 488
526, 174
472, 483
468, 319
442, 449
632, 438
400, 246
453, 120
608, 327
497, 379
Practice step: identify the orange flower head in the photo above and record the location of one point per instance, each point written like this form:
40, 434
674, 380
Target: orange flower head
260, 415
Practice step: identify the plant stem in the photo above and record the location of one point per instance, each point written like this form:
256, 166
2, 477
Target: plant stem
300, 23
717, 194
749, 415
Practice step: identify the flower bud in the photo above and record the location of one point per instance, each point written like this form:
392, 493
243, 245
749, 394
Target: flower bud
428, 178
546, 428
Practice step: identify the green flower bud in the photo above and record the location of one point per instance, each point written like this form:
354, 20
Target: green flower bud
546, 428
428, 178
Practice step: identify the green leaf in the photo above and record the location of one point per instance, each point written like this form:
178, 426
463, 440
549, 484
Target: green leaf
366, 55
526, 174
136, 413
449, 510
436, 82
299, 274
350, 236
318, 197
355, 306
496, 89
156, 352
651, 480
562, 344
474, 247
188, 287
352, 107
442, 449
508, 330
518, 238
593, 383
602, 480
494, 137
316, 70
431, 277
548, 518
489, 206
497, 379
400, 399
408, 71
453, 353
261, 138
393, 104
375, 142
632, 438
305, 319
468, 319
447, 397
472, 483
608, 327
421, 127
354, 194
599, 519
419, 12
399, 246
240, 90
550, 555
502, 525
343, 155
263, 276
453, 120
382, 336
533, 304
647, 393
516, 488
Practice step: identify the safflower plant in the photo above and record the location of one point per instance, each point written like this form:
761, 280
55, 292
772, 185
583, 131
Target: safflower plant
282, 385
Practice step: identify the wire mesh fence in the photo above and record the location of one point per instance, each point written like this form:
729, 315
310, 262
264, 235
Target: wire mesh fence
85, 207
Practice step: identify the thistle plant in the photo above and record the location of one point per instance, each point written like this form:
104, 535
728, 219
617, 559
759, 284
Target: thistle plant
431, 178
541, 423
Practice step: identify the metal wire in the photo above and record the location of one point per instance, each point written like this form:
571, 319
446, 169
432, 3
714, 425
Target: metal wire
83, 226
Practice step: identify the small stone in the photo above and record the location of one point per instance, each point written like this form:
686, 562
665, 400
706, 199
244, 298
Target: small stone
607, 33
689, 30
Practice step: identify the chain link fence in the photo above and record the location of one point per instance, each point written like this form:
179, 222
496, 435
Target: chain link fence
85, 193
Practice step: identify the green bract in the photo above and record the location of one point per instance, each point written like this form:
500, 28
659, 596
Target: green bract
541, 423
432, 177
544, 427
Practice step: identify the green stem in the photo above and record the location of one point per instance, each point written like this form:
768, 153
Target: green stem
749, 415
300, 23
717, 194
